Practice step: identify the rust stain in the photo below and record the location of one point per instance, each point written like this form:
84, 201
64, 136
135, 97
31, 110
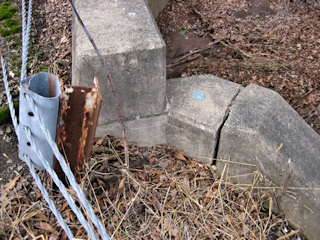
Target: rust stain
52, 85
79, 112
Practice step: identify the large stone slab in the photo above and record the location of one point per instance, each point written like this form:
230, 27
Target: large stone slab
194, 126
259, 122
134, 52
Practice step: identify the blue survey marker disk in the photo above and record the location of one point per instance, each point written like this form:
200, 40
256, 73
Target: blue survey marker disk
198, 95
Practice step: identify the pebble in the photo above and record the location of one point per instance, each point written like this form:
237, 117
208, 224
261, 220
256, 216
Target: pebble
19, 168
9, 161
1, 132
8, 130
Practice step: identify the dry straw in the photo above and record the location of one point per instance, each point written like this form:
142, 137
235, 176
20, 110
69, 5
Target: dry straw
164, 195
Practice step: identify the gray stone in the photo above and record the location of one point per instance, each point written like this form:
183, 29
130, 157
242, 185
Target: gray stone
9, 161
8, 130
145, 132
259, 122
134, 51
194, 126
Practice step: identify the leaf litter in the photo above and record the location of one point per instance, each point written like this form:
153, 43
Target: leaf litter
272, 43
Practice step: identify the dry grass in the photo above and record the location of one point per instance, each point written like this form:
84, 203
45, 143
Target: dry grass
165, 195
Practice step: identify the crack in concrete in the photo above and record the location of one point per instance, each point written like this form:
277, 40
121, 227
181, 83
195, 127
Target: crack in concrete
225, 118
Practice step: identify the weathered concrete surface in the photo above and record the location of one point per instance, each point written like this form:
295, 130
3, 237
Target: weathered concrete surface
156, 6
144, 132
194, 126
134, 52
259, 122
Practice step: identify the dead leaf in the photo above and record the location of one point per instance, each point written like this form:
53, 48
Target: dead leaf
115, 218
242, 216
173, 192
64, 205
71, 215
54, 237
174, 232
213, 167
152, 160
100, 141
179, 155
209, 195
163, 178
122, 206
245, 230
101, 183
186, 182
122, 184
46, 227
166, 223
164, 163
141, 176
63, 39
11, 184
96, 209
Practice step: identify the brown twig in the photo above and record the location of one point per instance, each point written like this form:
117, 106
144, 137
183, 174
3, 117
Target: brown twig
178, 61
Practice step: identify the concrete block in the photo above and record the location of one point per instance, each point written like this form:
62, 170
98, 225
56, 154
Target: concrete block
194, 126
260, 120
134, 52
145, 132
156, 6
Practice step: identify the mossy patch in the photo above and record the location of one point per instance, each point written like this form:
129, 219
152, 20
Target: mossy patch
8, 31
5, 116
9, 26
7, 11
11, 23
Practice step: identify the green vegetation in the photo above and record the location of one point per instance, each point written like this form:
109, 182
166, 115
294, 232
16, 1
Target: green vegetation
17, 73
43, 68
6, 32
10, 30
10, 26
6, 11
5, 116
184, 31
11, 23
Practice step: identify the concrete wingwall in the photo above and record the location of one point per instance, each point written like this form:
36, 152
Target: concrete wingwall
156, 6
240, 129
